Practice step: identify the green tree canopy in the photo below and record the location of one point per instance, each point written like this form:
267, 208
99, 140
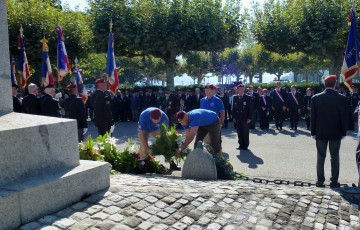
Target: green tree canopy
39, 18
317, 28
168, 28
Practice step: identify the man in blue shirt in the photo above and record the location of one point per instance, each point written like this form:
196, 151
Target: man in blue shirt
150, 122
199, 122
213, 103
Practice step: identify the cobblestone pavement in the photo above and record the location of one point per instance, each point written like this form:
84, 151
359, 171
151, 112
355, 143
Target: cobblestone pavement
160, 202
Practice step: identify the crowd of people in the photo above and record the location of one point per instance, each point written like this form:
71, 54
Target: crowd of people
206, 112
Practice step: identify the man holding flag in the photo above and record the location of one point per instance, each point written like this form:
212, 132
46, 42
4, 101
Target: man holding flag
63, 65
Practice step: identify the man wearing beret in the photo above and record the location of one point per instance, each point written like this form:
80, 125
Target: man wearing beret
328, 126
102, 108
213, 103
16, 102
242, 116
199, 123
75, 109
49, 105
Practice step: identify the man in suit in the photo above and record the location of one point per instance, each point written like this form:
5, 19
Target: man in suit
16, 102
353, 99
294, 107
224, 97
75, 109
196, 99
256, 100
48, 104
328, 126
102, 108
31, 102
278, 106
242, 115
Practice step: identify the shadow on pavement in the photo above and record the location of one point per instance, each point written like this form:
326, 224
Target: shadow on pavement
248, 157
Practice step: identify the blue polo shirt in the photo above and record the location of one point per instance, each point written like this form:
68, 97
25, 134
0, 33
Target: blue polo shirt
201, 117
214, 104
146, 124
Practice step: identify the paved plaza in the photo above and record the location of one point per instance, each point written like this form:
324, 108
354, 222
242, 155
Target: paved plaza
157, 202
170, 202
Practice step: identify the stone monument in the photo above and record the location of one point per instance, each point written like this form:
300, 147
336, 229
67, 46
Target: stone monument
199, 164
40, 171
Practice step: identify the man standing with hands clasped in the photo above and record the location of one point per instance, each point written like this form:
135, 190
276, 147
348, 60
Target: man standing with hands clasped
328, 126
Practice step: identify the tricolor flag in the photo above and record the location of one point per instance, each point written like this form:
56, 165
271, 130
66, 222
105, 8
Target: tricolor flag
23, 67
351, 57
63, 65
111, 70
80, 85
13, 77
46, 71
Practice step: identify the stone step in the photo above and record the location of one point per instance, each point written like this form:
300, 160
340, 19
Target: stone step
28, 199
33, 144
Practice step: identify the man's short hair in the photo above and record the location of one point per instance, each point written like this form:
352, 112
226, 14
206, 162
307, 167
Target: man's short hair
32, 87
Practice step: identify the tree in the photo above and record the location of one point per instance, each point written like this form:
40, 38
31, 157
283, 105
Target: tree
317, 28
278, 65
168, 28
197, 64
39, 18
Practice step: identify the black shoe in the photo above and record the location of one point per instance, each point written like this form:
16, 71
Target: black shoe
174, 167
320, 185
334, 185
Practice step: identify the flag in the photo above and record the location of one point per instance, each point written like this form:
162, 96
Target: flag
13, 77
80, 85
63, 64
23, 67
351, 57
46, 71
111, 70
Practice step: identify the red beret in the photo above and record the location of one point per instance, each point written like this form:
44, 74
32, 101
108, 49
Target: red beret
330, 78
180, 115
211, 86
155, 114
71, 86
100, 80
49, 86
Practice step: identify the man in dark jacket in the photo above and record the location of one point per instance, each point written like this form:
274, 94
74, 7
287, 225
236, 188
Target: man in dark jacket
328, 127
102, 108
75, 109
279, 105
16, 102
49, 106
242, 115
31, 102
294, 107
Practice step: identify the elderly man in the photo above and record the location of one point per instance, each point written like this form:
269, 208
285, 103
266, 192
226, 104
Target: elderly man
199, 122
75, 109
102, 108
49, 105
31, 102
328, 126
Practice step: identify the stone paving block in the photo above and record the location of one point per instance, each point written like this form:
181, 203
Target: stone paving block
100, 216
230, 227
111, 210
195, 227
48, 219
132, 222
203, 220
77, 216
116, 218
169, 200
64, 223
214, 226
121, 227
143, 215
48, 228
83, 224
105, 225
160, 227
145, 225
151, 199
187, 220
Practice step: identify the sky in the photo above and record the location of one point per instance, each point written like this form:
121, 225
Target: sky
183, 80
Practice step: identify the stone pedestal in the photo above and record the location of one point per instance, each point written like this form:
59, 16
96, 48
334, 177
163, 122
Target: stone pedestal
40, 168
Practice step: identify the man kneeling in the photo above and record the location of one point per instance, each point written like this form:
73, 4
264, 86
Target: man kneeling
149, 123
200, 122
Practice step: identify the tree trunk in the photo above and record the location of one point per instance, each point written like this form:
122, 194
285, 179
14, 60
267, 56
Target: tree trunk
335, 67
260, 77
251, 79
295, 77
278, 76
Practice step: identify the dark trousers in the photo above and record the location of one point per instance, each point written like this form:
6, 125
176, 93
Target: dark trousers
253, 119
264, 119
243, 134
80, 135
307, 119
279, 116
214, 133
294, 118
351, 122
334, 147
103, 130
